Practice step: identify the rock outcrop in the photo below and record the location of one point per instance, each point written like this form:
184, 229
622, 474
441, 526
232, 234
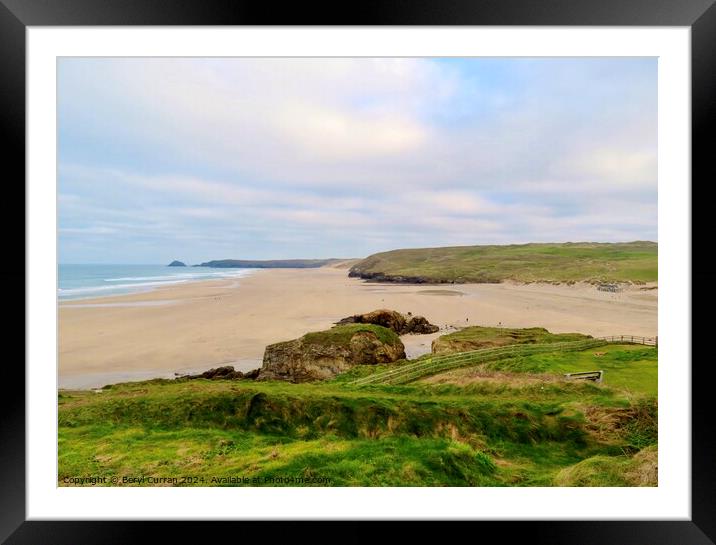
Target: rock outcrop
224, 373
399, 323
177, 264
420, 325
324, 354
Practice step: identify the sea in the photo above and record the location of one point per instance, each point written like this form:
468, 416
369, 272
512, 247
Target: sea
86, 281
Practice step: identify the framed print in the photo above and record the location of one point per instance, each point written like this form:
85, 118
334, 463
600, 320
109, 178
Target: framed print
285, 266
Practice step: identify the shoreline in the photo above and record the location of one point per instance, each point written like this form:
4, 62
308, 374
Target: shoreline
201, 324
142, 289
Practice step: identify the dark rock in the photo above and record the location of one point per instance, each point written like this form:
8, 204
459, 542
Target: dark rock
369, 276
219, 373
393, 320
420, 325
253, 374
177, 264
398, 279
383, 317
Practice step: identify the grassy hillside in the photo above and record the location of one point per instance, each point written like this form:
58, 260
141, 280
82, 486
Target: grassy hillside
569, 262
504, 432
627, 368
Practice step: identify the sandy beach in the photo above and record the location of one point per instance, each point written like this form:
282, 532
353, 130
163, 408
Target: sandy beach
195, 326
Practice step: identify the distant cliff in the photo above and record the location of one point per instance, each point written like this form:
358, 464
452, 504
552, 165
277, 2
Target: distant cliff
177, 264
629, 262
268, 264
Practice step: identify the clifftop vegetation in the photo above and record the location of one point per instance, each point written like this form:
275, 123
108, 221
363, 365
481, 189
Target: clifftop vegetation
567, 262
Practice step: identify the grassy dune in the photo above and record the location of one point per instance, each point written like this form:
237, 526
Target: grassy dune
483, 433
569, 262
478, 337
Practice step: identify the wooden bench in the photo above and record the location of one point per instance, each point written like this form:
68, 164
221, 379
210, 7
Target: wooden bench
596, 376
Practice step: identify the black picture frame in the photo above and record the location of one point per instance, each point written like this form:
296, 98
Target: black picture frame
699, 15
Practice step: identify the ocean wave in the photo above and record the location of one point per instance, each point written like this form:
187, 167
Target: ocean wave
92, 289
187, 276
134, 284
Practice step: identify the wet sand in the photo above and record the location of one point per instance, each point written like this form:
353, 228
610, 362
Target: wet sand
193, 327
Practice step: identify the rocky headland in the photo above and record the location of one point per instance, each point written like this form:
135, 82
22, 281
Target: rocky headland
401, 324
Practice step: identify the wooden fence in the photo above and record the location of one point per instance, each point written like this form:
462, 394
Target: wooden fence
631, 339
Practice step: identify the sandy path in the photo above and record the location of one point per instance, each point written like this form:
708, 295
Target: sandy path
196, 326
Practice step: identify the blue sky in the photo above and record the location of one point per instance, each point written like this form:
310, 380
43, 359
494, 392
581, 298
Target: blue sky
199, 159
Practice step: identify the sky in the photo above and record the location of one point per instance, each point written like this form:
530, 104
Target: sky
267, 158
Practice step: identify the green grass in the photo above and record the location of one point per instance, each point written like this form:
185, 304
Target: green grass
637, 470
272, 408
216, 456
494, 434
569, 262
342, 334
632, 368
507, 432
477, 337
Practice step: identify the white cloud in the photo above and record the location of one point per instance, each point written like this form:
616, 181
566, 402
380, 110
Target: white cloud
612, 167
319, 134
352, 153
267, 117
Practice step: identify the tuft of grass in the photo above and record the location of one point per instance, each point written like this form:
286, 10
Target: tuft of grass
309, 413
642, 429
342, 334
264, 460
638, 470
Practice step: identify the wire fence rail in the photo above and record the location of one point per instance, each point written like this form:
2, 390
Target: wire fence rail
439, 364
